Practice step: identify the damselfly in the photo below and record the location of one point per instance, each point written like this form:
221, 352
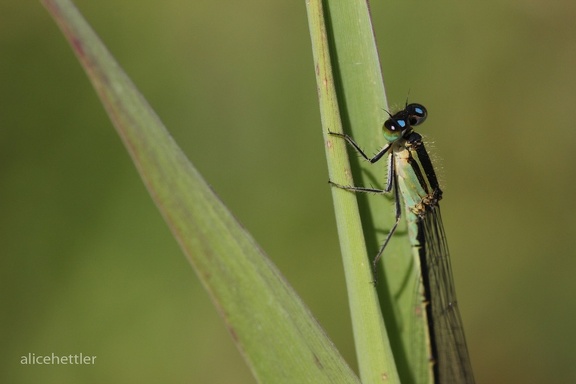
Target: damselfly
412, 177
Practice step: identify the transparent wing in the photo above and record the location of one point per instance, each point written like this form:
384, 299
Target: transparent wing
452, 365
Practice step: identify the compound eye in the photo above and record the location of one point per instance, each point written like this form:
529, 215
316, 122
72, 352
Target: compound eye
416, 113
396, 125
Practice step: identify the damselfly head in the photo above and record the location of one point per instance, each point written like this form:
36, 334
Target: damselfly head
411, 115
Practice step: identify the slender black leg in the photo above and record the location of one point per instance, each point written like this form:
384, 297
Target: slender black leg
357, 189
389, 182
398, 214
350, 141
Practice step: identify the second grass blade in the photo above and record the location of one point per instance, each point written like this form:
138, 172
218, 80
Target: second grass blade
352, 99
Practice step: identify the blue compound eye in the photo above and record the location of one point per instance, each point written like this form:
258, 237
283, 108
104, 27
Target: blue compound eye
416, 114
396, 124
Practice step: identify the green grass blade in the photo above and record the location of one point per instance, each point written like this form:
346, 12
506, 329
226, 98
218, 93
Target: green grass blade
275, 332
375, 357
352, 99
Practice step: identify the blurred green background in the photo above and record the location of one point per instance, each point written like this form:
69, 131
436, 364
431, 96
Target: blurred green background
88, 265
